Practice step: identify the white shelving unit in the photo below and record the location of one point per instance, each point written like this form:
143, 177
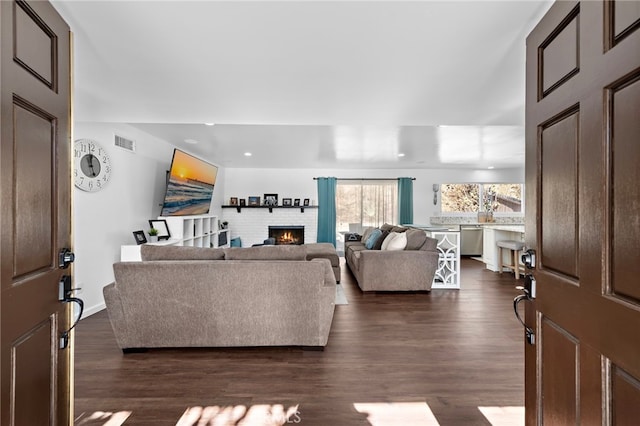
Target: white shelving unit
189, 231
196, 231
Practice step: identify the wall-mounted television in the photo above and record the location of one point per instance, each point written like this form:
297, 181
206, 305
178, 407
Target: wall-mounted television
189, 187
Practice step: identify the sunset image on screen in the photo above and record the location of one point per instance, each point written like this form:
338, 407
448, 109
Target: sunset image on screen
187, 167
190, 186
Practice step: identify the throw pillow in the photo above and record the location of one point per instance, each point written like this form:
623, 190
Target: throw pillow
380, 240
387, 240
373, 237
366, 233
415, 239
386, 227
399, 229
398, 243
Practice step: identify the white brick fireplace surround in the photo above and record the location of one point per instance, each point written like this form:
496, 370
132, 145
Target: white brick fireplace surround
252, 224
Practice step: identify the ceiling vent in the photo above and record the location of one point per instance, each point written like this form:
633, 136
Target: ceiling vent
124, 143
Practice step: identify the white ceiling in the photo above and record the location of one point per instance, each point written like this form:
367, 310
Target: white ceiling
311, 84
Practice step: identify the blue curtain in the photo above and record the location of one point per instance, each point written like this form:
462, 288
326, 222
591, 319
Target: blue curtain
405, 201
327, 210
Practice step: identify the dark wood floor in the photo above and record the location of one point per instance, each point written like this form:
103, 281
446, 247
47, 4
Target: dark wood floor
453, 350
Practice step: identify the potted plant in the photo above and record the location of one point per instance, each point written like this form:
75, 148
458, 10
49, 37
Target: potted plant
153, 235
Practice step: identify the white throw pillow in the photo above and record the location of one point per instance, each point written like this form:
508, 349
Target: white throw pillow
387, 240
399, 242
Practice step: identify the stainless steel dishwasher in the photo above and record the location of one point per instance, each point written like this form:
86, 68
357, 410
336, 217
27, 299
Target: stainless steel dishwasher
470, 240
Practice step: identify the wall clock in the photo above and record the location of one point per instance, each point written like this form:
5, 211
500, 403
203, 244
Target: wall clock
92, 165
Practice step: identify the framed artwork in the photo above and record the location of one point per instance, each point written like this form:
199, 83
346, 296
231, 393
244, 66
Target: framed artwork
233, 201
286, 201
306, 201
270, 199
140, 238
254, 201
296, 202
161, 226
243, 202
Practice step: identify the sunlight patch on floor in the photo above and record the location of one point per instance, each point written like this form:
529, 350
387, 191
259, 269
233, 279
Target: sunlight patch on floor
263, 415
397, 413
103, 418
504, 416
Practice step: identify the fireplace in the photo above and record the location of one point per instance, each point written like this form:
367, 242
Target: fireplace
287, 234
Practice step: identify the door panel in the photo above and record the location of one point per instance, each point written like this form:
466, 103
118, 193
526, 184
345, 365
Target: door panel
559, 358
35, 213
624, 101
582, 133
559, 194
34, 190
626, 394
559, 54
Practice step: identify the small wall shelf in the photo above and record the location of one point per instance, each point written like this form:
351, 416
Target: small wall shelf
239, 208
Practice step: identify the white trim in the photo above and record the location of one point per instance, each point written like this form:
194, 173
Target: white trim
93, 310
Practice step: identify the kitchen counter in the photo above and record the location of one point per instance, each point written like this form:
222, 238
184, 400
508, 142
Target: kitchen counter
508, 228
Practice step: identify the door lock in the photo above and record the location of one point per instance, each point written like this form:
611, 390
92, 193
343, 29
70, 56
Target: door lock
529, 259
65, 258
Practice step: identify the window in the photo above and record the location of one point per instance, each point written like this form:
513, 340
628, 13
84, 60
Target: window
473, 197
364, 203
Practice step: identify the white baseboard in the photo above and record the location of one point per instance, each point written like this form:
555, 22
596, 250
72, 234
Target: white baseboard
93, 310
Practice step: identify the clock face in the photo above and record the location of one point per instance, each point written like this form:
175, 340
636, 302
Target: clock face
92, 165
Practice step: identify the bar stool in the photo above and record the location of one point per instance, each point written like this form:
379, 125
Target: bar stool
514, 247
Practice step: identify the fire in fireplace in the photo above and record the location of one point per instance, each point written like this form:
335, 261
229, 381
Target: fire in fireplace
287, 234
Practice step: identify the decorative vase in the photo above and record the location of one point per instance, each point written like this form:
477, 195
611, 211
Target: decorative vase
153, 238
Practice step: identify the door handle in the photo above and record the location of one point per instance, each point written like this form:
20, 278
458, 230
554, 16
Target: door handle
65, 297
65, 258
529, 259
528, 294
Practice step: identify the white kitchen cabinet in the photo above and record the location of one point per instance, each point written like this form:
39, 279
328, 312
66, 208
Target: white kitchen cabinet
491, 234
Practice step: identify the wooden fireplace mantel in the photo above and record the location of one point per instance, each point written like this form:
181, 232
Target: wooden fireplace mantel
239, 208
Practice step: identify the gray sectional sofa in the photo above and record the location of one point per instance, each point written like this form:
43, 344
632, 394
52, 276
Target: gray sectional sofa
408, 267
188, 297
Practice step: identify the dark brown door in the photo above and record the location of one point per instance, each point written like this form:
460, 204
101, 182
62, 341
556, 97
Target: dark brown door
583, 214
35, 213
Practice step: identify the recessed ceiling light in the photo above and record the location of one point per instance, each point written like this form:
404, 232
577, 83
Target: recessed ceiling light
401, 155
209, 124
247, 154
191, 141
491, 167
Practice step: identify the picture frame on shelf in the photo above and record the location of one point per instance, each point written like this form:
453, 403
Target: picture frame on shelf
140, 237
296, 202
233, 201
271, 200
162, 227
243, 202
254, 201
306, 202
286, 202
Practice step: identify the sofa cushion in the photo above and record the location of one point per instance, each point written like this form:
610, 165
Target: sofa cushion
380, 240
398, 242
373, 238
155, 252
415, 239
277, 252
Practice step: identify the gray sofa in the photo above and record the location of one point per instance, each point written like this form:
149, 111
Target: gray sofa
190, 297
411, 268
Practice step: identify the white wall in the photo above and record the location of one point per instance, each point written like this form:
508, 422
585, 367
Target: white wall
105, 220
299, 183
